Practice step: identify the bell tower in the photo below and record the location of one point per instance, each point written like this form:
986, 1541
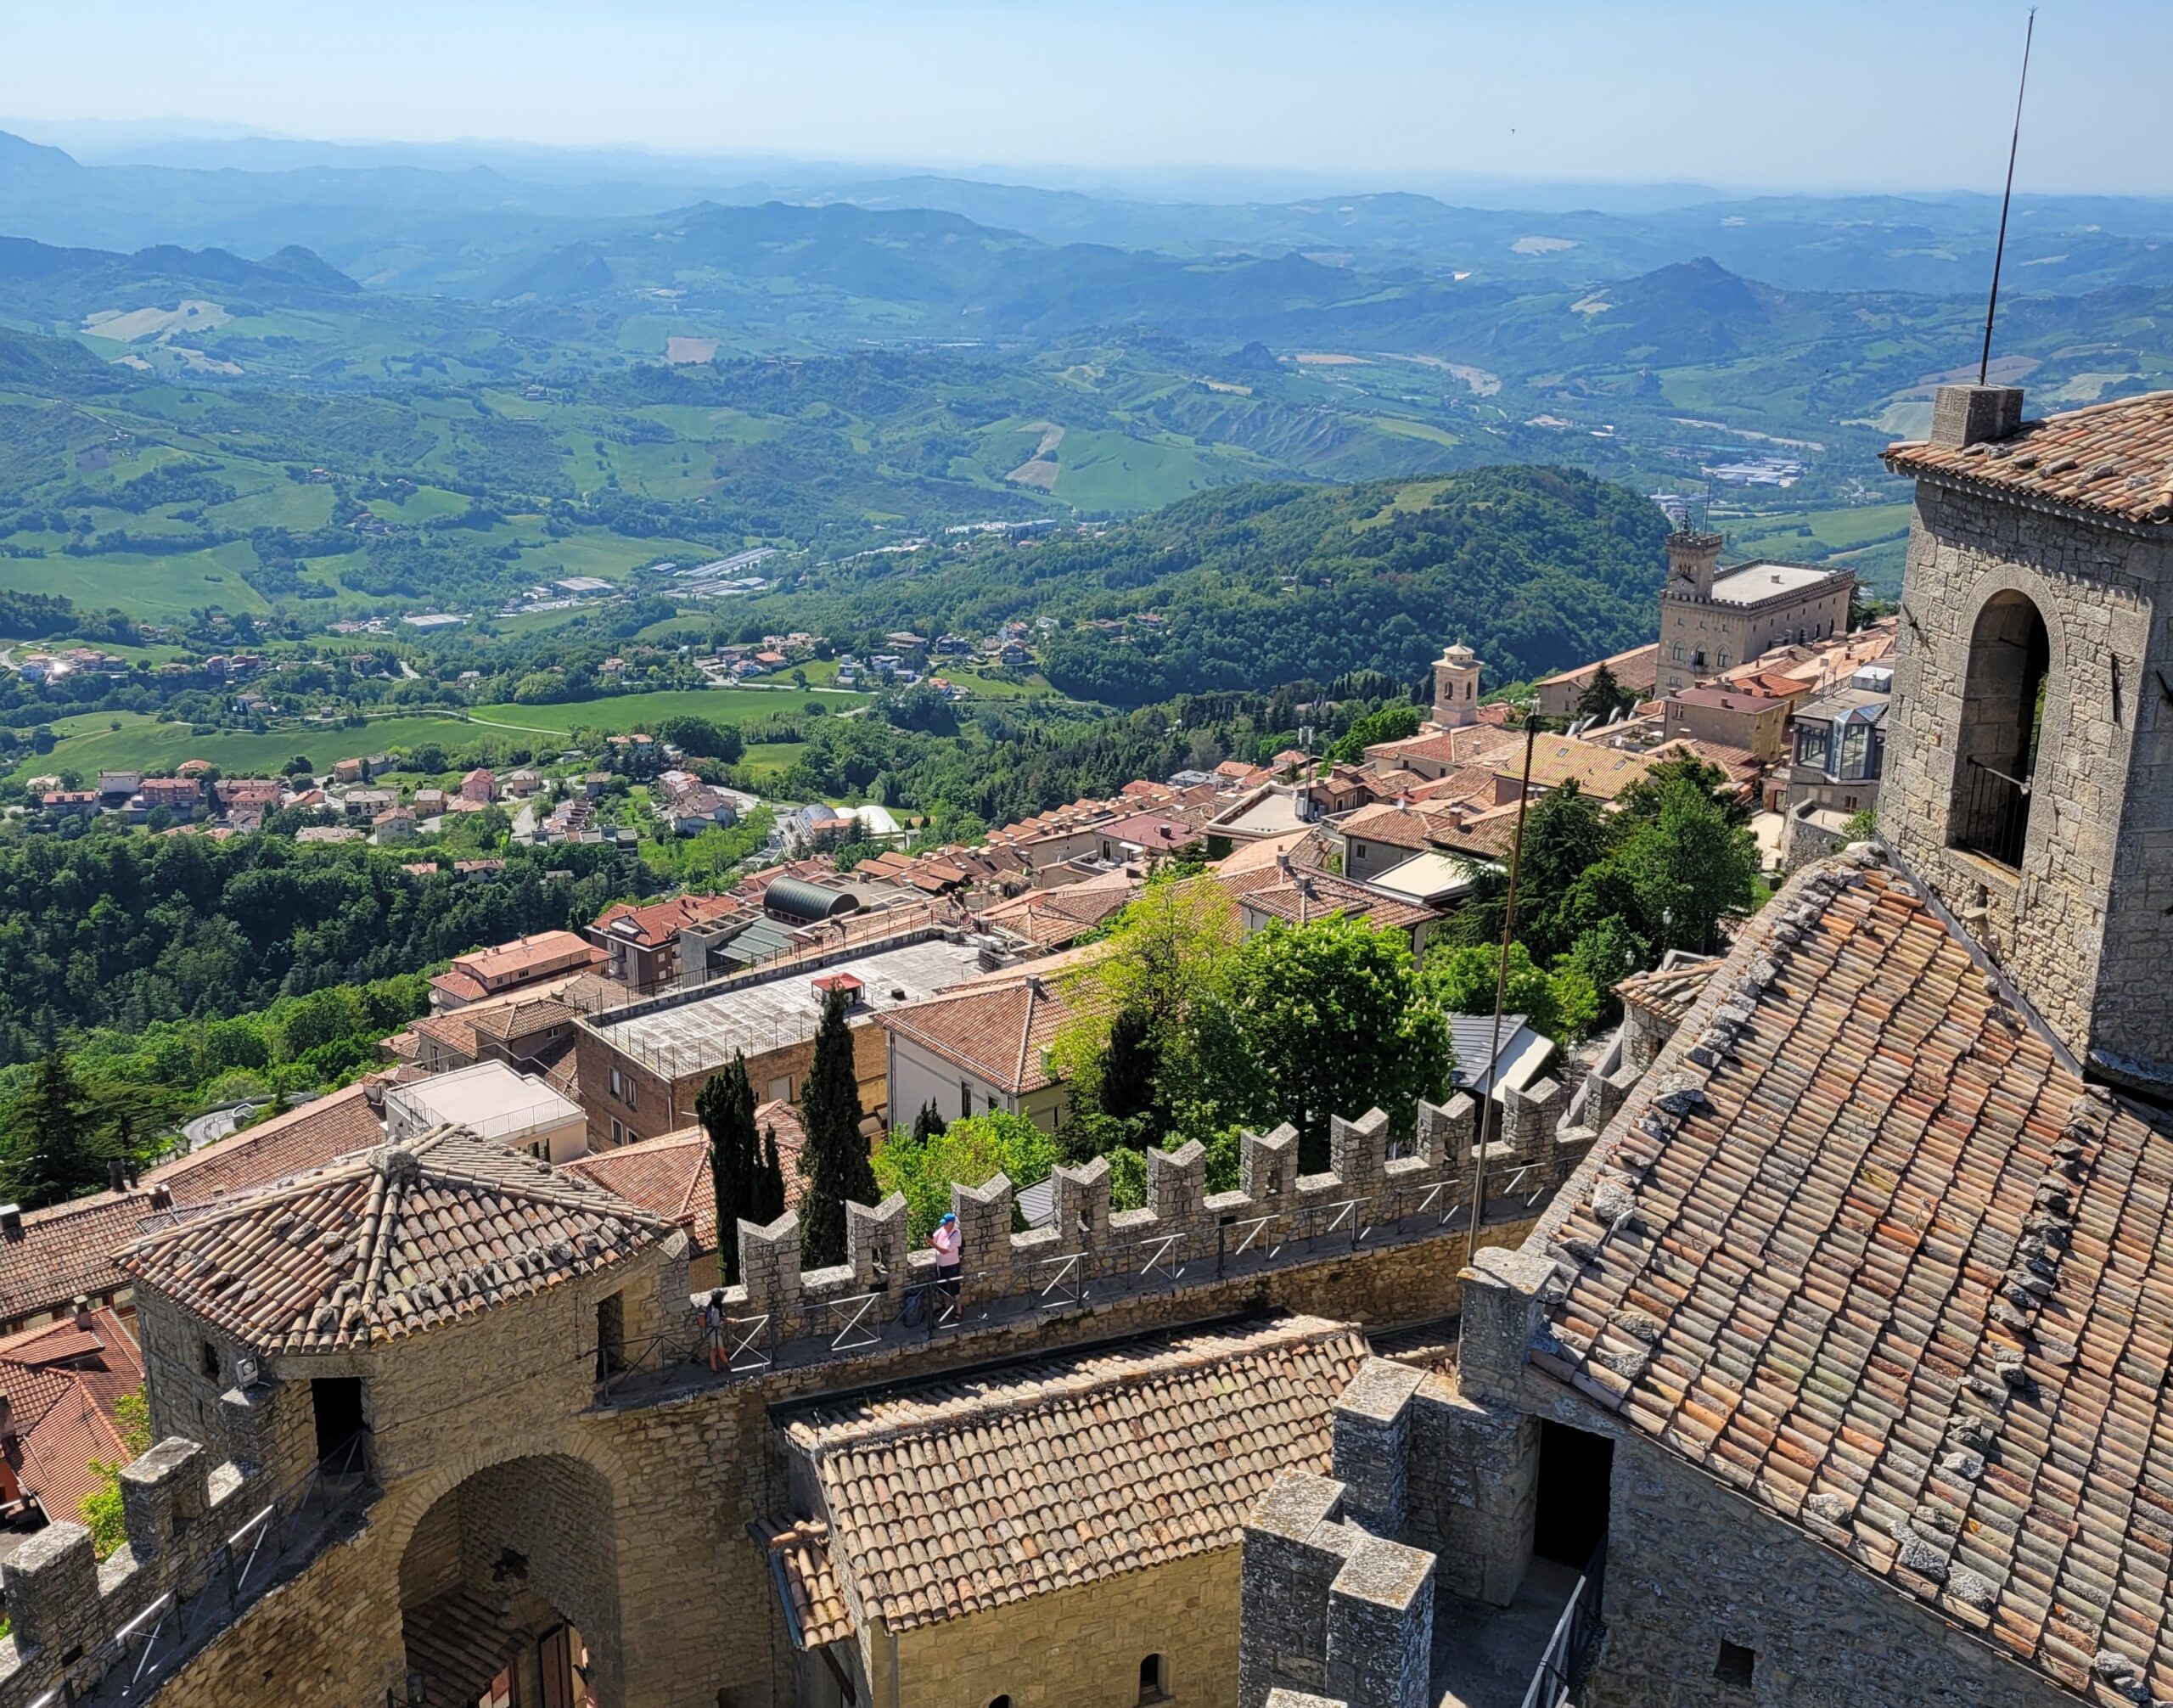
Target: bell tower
2029, 767
1456, 687
1692, 555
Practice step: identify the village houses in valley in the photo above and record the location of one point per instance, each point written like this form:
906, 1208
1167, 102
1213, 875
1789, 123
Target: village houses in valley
1802, 1338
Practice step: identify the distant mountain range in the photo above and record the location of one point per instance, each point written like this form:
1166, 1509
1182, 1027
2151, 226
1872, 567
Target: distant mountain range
465, 219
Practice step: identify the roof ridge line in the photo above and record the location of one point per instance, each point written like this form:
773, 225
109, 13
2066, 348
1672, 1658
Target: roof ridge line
1276, 1332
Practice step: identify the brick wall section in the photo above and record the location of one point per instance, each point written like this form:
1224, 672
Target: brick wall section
2082, 928
663, 1105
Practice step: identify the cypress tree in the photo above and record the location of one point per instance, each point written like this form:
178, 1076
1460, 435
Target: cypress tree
834, 1158
726, 1110
928, 1124
768, 1192
49, 1156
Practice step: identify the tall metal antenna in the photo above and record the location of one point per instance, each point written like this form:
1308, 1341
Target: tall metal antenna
1999, 249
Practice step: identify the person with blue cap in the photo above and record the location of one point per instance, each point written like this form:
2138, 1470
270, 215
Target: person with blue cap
946, 1239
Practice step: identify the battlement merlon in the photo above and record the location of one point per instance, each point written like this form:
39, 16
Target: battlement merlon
1379, 1188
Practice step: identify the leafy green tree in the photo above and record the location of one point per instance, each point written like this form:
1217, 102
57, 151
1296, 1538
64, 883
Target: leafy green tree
1565, 835
49, 1155
1149, 1049
703, 738
1389, 723
1606, 954
1462, 981
1335, 1022
1689, 865
970, 1151
1642, 801
834, 1158
101, 1509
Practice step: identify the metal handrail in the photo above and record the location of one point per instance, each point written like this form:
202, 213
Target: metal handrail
131, 1663
1568, 1656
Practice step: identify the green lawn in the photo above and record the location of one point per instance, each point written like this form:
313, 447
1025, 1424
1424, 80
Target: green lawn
89, 744
154, 585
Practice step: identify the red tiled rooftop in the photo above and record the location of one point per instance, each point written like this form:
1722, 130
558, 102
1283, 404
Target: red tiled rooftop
2111, 459
1863, 1249
949, 1498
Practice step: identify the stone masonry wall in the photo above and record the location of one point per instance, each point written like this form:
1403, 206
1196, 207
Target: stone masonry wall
2082, 928
632, 1510
1081, 1648
1690, 1565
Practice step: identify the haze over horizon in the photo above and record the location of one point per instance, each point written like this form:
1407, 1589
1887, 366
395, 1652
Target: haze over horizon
1212, 98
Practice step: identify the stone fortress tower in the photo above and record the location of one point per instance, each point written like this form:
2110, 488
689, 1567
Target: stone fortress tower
1456, 687
2031, 771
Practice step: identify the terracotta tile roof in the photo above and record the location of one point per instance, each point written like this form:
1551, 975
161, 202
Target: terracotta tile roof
2112, 459
658, 923
1638, 669
386, 1243
67, 1249
527, 956
457, 985
1051, 918
1397, 826
1298, 897
967, 1493
670, 1177
996, 1028
1459, 746
1596, 768
64, 1386
1874, 1259
306, 1137
799, 1553
1667, 992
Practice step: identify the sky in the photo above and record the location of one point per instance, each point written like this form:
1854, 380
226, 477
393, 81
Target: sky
1815, 94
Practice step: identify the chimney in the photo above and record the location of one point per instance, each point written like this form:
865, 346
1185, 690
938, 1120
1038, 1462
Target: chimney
116, 1175
11, 1218
161, 1199
1968, 414
6, 1418
81, 1304
1282, 865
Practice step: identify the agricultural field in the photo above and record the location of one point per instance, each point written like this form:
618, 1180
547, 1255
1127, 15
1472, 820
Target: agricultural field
628, 711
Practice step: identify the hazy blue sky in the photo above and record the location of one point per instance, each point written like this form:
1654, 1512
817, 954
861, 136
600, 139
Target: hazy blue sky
1818, 93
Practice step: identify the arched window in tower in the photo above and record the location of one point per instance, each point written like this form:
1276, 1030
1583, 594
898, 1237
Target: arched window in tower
2002, 722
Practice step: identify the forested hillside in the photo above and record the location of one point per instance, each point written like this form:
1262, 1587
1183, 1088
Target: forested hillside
125, 929
1246, 587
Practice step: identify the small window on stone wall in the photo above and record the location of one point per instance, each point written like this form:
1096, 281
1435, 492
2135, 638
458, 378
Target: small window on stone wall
211, 1361
1736, 1665
1154, 1679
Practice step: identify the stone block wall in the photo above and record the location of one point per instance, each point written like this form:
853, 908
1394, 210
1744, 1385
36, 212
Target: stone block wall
1082, 1647
1183, 1237
1329, 1608
1690, 1565
2081, 926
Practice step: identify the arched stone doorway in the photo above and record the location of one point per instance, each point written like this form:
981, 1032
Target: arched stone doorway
2002, 718
509, 1591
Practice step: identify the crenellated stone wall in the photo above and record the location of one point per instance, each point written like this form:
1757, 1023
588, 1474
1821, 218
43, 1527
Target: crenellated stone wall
885, 1294
628, 1489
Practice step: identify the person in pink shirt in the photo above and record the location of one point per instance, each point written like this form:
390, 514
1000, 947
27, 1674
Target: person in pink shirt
946, 1240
